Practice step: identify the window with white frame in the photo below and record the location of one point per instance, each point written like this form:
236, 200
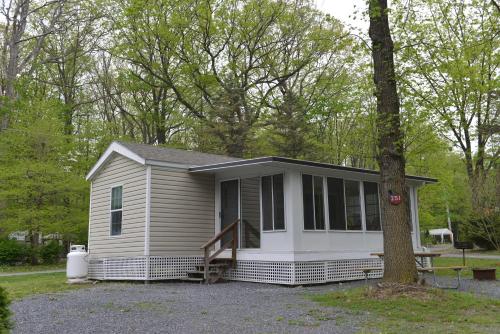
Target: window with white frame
273, 203
313, 200
116, 210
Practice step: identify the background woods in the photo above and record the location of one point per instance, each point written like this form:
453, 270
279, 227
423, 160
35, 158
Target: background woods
244, 78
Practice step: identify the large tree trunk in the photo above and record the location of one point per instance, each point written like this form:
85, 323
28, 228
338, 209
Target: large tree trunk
399, 260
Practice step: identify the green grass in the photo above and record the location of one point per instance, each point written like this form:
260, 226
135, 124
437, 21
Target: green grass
471, 263
26, 268
21, 286
441, 312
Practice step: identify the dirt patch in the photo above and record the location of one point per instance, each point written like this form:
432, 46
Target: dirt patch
393, 290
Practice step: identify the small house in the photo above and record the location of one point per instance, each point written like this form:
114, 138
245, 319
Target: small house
160, 213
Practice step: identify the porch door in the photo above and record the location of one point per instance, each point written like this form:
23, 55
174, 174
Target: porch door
229, 205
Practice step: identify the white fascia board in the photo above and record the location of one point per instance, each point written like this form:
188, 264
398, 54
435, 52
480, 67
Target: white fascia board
114, 148
167, 164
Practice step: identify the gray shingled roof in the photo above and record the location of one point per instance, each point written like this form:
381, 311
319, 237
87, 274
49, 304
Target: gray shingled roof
191, 158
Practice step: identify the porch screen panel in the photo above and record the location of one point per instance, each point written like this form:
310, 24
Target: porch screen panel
313, 199
250, 213
352, 205
372, 211
409, 204
336, 203
319, 204
279, 202
307, 194
273, 203
267, 203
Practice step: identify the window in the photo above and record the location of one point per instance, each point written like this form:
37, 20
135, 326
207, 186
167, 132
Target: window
336, 206
312, 194
116, 210
273, 203
352, 205
372, 211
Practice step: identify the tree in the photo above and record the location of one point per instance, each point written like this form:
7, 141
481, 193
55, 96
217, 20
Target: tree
222, 67
22, 41
449, 65
39, 189
399, 262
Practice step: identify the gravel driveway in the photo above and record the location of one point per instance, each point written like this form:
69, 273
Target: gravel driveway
233, 307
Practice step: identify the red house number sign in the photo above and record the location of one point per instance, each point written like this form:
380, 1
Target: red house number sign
395, 199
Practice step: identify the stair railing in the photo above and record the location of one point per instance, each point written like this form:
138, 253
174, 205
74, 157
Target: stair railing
233, 244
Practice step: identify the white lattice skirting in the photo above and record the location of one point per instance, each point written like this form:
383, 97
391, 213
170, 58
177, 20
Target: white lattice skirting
278, 272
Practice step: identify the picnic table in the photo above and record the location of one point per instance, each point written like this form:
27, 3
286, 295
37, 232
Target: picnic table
421, 255
431, 268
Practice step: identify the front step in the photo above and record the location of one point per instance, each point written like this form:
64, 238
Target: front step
216, 270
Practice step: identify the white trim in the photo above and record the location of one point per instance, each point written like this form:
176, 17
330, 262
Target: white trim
90, 218
114, 210
115, 147
172, 165
147, 230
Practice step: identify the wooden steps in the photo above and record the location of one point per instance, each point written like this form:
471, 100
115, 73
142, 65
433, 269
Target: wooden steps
216, 270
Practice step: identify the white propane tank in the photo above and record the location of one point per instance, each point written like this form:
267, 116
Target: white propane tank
77, 265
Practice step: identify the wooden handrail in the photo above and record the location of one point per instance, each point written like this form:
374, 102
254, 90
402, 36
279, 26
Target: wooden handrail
219, 235
234, 243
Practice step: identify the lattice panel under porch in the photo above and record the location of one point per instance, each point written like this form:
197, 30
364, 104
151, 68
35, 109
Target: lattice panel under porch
171, 267
262, 271
345, 270
126, 268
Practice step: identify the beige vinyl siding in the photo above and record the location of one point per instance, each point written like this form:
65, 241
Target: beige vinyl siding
182, 212
132, 176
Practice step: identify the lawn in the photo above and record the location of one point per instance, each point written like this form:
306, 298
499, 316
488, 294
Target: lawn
469, 262
436, 311
27, 267
21, 286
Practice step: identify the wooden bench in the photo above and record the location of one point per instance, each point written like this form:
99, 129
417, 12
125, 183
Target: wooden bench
367, 271
457, 269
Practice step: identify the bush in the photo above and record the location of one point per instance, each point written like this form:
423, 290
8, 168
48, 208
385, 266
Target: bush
12, 252
484, 232
51, 252
5, 324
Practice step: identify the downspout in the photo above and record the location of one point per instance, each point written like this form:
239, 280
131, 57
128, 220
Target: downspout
147, 231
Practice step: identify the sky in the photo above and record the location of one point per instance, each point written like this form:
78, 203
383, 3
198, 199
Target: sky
342, 9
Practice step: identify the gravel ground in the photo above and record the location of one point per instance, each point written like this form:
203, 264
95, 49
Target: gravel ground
233, 307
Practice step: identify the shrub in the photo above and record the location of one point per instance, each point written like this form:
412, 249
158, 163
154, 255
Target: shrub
5, 324
484, 232
51, 252
12, 252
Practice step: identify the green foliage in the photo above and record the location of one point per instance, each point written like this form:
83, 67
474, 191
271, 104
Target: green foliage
51, 252
5, 324
39, 189
12, 252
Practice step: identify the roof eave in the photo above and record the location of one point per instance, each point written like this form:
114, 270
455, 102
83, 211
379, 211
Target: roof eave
258, 161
